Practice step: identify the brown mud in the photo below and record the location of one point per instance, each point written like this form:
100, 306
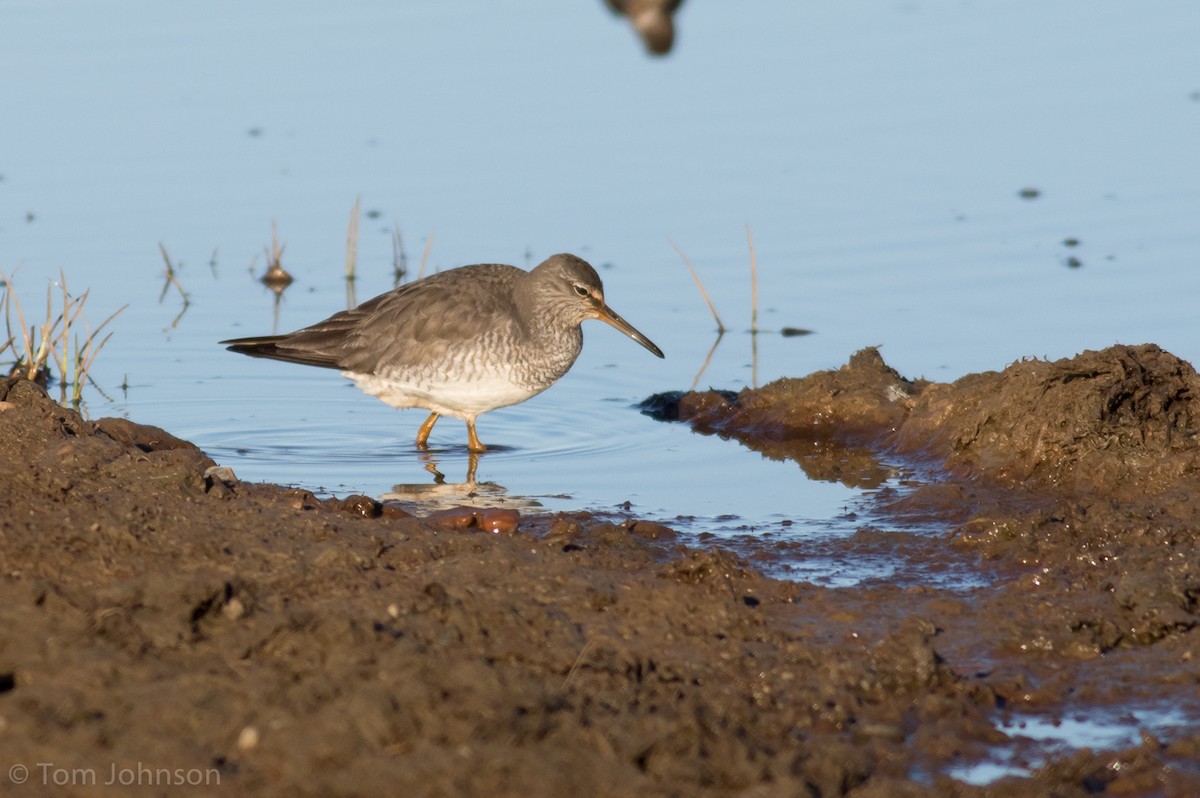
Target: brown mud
162, 619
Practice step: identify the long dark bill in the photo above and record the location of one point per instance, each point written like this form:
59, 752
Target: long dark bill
609, 316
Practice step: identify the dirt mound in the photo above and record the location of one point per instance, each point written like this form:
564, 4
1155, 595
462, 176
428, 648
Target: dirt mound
828, 422
1124, 420
856, 403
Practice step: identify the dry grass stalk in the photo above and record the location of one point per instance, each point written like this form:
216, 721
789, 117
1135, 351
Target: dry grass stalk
75, 356
703, 293
275, 277
172, 280
85, 353
707, 360
275, 253
753, 282
399, 257
578, 661
352, 239
425, 254
31, 359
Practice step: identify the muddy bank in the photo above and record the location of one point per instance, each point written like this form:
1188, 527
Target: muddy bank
1086, 471
1074, 484
156, 613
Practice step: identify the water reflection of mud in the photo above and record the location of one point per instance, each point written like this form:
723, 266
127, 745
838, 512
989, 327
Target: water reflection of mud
820, 455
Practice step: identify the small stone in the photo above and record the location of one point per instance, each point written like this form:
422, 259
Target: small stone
357, 504
490, 519
248, 739
222, 474
496, 519
234, 609
390, 510
453, 518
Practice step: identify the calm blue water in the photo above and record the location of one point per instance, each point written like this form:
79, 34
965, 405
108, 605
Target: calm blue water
876, 150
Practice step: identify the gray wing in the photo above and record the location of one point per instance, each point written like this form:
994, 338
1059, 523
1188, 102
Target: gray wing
416, 323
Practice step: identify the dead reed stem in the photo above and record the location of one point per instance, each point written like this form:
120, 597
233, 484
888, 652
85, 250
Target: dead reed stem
703, 293
172, 280
55, 339
399, 257
352, 239
753, 282
707, 360
425, 254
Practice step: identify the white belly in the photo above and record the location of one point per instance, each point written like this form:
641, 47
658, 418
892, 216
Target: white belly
459, 398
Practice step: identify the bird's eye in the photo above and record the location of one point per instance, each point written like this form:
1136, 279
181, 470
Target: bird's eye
581, 290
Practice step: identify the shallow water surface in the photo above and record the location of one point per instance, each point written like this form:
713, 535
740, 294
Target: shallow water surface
1035, 739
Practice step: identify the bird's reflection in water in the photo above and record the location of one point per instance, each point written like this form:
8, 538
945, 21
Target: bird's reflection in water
442, 494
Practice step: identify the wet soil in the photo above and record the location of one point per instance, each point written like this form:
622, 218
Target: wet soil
160, 618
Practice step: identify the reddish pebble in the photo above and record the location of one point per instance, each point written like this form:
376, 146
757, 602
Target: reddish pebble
495, 519
489, 519
454, 518
389, 510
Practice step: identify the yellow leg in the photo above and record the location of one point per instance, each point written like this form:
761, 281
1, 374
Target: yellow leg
426, 428
473, 444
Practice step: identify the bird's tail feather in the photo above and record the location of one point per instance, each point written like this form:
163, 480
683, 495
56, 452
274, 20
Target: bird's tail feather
275, 347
